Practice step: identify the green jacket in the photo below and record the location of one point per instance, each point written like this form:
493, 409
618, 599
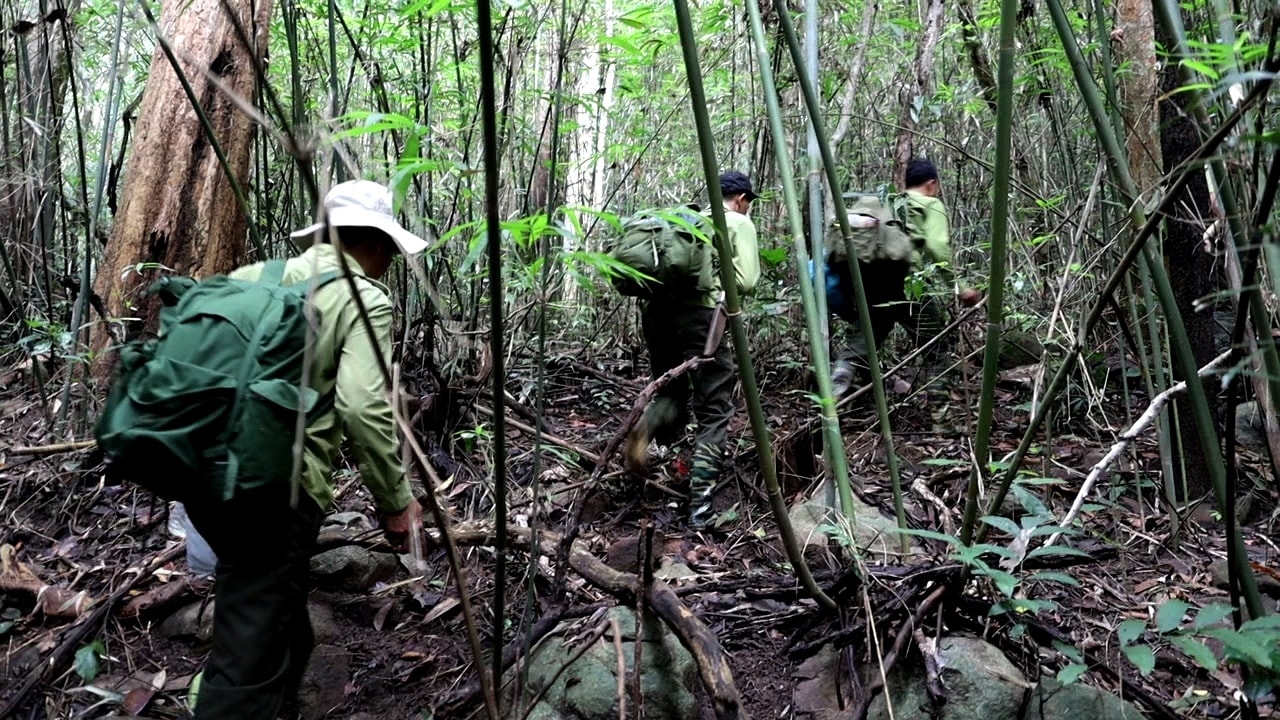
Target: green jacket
930, 217
344, 360
746, 257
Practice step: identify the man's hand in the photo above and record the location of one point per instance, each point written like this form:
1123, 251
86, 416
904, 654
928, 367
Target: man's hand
970, 297
398, 526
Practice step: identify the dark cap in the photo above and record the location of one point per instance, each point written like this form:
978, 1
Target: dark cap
735, 183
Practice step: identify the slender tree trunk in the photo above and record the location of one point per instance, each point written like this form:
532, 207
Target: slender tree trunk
977, 53
1192, 269
921, 86
178, 208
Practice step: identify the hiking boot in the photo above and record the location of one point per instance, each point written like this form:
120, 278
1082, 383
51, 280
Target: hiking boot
702, 485
635, 453
841, 378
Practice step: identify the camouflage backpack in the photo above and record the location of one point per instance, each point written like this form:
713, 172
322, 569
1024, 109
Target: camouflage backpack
670, 252
881, 231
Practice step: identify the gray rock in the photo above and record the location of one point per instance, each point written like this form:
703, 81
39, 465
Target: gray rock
351, 568
323, 687
875, 534
1251, 427
981, 684
588, 688
1055, 701
818, 691
194, 620
323, 624
349, 520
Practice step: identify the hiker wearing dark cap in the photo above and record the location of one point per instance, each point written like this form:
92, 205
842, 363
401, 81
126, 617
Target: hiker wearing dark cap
676, 330
264, 536
923, 317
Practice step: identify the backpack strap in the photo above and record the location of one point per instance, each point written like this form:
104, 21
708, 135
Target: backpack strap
272, 272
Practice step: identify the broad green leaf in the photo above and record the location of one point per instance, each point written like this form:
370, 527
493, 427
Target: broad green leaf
1130, 630
1211, 615
1071, 652
1201, 68
1003, 524
1196, 650
86, 663
1071, 673
1242, 646
1056, 551
1063, 578
1169, 615
944, 462
1142, 658
436, 6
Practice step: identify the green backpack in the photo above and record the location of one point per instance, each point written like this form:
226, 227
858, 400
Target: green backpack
210, 407
881, 230
670, 251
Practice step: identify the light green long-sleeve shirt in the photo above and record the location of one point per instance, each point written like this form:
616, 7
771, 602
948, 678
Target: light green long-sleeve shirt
930, 218
344, 361
746, 257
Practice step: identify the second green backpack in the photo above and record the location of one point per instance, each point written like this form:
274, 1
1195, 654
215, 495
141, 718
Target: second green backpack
881, 231
670, 252
211, 406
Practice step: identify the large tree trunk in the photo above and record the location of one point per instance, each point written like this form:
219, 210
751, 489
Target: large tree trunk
178, 208
1191, 266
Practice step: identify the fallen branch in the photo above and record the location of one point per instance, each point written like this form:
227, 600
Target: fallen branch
641, 402
166, 595
57, 449
1152, 412
859, 710
51, 600
77, 633
559, 442
694, 635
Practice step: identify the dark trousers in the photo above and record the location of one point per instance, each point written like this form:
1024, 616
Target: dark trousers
261, 631
675, 332
922, 319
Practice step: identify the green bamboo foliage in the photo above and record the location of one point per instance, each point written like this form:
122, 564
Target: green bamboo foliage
842, 217
741, 348
999, 235
834, 443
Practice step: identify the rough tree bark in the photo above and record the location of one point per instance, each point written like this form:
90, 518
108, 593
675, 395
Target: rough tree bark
1192, 270
921, 86
178, 208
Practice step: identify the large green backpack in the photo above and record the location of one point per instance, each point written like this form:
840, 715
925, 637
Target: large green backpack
210, 407
882, 232
670, 252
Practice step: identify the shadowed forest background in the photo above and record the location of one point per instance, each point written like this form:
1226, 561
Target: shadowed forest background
1067, 514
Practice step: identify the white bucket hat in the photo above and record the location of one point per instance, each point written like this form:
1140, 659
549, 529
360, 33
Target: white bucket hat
364, 203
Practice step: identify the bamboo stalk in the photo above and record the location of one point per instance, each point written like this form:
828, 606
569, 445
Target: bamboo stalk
842, 217
1164, 291
489, 118
995, 286
834, 443
759, 427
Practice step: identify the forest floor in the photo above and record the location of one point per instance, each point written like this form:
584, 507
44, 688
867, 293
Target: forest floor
400, 647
